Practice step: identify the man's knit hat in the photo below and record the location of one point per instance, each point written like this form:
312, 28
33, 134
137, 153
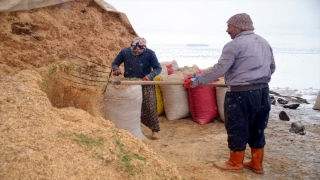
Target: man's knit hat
241, 21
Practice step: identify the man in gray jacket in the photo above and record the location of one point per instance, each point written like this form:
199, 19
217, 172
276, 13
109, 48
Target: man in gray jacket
247, 63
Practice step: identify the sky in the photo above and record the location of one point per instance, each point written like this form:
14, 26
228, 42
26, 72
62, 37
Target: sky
284, 23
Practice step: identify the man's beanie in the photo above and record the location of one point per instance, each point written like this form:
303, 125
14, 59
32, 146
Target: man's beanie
242, 21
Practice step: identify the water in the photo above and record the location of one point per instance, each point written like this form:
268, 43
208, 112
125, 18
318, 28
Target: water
296, 68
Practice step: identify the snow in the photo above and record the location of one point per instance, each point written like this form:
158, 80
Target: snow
305, 112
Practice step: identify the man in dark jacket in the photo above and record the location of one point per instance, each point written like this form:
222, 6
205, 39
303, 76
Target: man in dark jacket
141, 62
247, 63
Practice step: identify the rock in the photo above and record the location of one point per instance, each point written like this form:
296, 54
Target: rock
282, 101
301, 100
293, 99
271, 97
283, 116
273, 101
291, 106
298, 128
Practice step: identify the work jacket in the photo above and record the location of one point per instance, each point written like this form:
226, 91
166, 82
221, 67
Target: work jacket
246, 60
143, 65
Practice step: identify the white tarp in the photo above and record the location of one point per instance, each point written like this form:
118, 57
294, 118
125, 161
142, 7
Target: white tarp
19, 5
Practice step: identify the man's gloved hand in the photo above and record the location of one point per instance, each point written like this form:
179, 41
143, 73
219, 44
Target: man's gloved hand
117, 72
187, 83
145, 79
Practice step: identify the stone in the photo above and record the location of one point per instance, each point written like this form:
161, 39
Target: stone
298, 128
282, 101
291, 106
271, 97
283, 116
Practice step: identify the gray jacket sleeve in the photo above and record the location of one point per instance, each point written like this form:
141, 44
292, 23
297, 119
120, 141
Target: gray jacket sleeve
224, 63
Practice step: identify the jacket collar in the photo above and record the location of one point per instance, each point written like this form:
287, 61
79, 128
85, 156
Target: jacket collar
244, 33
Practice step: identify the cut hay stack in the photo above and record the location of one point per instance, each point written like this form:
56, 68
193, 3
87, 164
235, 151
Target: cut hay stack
39, 141
122, 105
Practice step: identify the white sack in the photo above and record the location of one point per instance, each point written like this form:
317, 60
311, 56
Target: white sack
164, 65
221, 93
317, 103
175, 98
188, 71
123, 107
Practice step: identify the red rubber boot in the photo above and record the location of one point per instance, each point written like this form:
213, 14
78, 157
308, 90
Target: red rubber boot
256, 161
234, 163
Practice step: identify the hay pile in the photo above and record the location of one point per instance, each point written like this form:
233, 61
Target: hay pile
37, 38
52, 129
39, 141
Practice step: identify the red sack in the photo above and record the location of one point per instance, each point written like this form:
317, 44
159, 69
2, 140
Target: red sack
203, 104
170, 69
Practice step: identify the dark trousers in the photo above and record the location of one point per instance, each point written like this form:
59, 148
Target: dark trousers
246, 118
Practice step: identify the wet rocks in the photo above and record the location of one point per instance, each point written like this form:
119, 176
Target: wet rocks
298, 128
293, 99
283, 116
291, 106
282, 101
272, 99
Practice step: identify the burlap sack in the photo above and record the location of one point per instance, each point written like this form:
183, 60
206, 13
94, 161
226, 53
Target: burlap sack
122, 105
175, 98
160, 107
317, 103
175, 67
221, 93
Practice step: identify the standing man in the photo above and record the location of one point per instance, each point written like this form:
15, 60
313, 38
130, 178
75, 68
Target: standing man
247, 63
141, 62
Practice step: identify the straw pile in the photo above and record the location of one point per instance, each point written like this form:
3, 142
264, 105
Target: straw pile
38, 38
53, 129
39, 141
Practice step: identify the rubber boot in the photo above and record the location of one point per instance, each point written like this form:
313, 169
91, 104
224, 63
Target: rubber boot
256, 161
234, 163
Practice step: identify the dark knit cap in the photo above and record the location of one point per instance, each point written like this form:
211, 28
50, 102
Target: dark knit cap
241, 21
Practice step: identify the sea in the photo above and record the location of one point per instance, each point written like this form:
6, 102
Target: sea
296, 68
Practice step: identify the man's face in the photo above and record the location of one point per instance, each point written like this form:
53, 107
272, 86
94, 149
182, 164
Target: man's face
233, 31
138, 49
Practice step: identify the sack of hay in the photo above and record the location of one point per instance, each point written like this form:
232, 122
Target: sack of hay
188, 71
220, 94
317, 103
175, 98
160, 107
202, 103
169, 67
122, 105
